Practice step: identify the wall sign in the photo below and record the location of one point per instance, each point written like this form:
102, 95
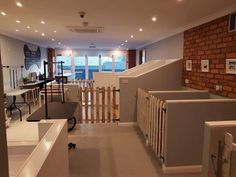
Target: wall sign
32, 57
188, 65
205, 65
231, 66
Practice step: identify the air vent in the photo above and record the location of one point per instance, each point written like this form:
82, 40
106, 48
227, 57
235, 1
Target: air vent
82, 29
92, 47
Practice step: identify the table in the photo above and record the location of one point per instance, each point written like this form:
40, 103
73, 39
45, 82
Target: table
33, 85
14, 94
57, 110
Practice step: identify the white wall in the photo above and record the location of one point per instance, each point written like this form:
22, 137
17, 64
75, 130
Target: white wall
12, 51
168, 48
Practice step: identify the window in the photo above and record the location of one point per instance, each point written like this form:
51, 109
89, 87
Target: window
232, 22
80, 67
106, 62
120, 63
93, 66
67, 66
83, 67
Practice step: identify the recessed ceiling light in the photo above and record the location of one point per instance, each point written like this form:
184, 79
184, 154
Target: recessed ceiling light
36, 31
17, 21
42, 34
122, 44
132, 36
59, 43
17, 30
53, 39
19, 4
126, 41
54, 31
42, 22
28, 27
179, 0
140, 29
3, 14
154, 19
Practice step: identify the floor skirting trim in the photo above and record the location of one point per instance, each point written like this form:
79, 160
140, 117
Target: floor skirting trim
182, 169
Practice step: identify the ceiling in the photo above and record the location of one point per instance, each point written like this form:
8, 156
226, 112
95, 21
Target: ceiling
120, 19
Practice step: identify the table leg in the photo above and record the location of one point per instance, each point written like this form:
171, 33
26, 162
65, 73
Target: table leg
14, 104
27, 104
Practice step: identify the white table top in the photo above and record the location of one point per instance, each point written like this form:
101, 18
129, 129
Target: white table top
16, 92
32, 84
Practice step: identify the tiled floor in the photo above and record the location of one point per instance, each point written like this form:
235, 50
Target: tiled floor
113, 151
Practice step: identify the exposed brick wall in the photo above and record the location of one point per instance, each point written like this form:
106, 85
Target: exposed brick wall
213, 42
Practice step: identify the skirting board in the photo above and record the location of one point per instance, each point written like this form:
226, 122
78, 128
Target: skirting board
182, 169
128, 124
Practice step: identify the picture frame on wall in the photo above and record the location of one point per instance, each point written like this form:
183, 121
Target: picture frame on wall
205, 65
188, 65
231, 66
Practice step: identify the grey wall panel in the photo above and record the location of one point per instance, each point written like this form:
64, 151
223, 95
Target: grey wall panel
181, 95
185, 128
164, 78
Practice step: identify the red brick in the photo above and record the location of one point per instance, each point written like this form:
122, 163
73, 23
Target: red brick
213, 46
215, 61
208, 42
208, 52
232, 95
214, 26
229, 77
201, 53
214, 36
220, 56
203, 57
210, 76
231, 44
227, 88
231, 55
214, 71
233, 84
218, 30
211, 56
218, 76
217, 41
219, 66
205, 47
216, 51
214, 81
223, 23
224, 34
222, 45
227, 39
212, 66
202, 44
